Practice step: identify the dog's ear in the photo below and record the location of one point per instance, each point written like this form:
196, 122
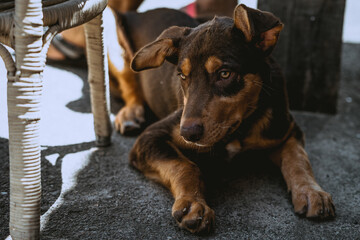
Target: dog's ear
123, 35
259, 27
166, 46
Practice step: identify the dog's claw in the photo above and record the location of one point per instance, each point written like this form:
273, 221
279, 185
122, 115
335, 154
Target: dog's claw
193, 215
313, 202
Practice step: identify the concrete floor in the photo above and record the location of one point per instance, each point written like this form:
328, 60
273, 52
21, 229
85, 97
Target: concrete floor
91, 193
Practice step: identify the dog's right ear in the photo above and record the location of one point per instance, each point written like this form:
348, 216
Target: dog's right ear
259, 27
166, 46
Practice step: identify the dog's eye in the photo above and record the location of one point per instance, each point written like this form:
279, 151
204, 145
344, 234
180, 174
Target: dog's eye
182, 76
225, 74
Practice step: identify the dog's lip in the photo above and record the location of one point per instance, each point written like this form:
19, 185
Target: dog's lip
195, 143
200, 145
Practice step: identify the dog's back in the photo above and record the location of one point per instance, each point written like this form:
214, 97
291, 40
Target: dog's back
143, 28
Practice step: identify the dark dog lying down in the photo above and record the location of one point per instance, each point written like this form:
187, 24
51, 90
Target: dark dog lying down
214, 86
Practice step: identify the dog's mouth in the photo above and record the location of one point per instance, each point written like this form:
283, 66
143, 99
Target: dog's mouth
196, 143
201, 145
213, 135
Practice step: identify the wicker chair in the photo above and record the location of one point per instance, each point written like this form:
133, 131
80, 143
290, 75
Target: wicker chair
22, 24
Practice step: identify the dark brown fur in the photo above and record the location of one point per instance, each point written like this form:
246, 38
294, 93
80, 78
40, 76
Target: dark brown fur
214, 86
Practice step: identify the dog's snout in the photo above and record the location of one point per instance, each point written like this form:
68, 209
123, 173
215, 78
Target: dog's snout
192, 130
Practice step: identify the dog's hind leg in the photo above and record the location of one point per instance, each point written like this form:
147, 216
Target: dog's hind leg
123, 81
158, 158
307, 196
125, 85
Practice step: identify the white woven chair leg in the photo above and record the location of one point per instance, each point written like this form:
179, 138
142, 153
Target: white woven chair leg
98, 79
24, 92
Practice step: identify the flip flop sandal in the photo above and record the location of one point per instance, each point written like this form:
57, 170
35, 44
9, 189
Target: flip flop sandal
74, 55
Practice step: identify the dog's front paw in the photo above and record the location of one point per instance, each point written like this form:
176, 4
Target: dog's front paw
313, 202
193, 215
129, 119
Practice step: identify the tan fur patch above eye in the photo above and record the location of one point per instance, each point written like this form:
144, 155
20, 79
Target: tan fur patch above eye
212, 64
186, 67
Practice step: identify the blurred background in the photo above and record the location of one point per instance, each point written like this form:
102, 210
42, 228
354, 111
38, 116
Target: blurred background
351, 31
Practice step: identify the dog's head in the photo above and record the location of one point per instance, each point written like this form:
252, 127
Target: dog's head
219, 65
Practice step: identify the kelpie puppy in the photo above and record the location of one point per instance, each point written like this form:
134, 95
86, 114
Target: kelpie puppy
215, 87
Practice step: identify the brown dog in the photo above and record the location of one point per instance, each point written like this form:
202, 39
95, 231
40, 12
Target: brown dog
215, 88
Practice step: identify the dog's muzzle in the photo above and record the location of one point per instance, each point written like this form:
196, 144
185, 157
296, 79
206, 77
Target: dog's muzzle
192, 130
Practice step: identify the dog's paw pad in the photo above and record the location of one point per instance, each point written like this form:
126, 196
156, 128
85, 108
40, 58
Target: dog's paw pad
314, 203
193, 224
193, 215
178, 215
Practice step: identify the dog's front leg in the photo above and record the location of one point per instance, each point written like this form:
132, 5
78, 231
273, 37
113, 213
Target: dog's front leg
158, 158
307, 196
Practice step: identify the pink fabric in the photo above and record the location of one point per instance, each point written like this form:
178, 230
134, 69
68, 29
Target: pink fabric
191, 9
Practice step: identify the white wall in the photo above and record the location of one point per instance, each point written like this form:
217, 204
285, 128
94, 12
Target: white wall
351, 31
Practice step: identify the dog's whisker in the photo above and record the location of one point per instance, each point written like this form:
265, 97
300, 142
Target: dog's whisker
263, 86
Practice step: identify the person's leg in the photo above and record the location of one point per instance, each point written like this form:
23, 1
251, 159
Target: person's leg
74, 38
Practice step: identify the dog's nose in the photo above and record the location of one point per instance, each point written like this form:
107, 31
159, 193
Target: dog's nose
191, 130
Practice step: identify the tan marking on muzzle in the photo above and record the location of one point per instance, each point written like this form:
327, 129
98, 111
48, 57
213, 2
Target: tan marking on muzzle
186, 67
212, 64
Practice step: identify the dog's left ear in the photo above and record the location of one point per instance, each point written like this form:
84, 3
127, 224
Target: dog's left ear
166, 46
259, 27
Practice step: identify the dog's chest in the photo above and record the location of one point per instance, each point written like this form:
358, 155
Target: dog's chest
254, 140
